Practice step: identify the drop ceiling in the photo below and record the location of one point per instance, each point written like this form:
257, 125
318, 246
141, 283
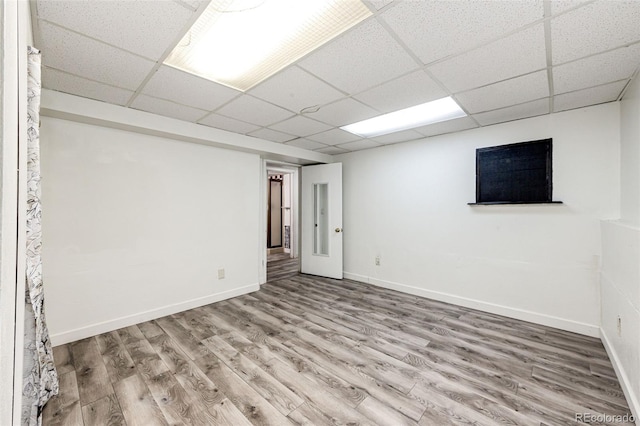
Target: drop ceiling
500, 60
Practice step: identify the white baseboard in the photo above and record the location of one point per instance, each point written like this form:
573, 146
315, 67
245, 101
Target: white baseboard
520, 314
116, 323
623, 378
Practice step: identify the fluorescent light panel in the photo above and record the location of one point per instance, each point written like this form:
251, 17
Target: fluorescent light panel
239, 43
420, 115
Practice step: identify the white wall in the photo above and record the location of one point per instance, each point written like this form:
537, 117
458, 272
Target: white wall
620, 277
407, 203
83, 110
137, 226
630, 155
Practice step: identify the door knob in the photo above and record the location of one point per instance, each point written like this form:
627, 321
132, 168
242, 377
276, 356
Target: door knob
338, 229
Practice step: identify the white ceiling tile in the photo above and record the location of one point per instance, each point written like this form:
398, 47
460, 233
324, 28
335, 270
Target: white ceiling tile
529, 109
506, 93
272, 135
334, 137
449, 126
226, 123
366, 62
592, 96
63, 82
166, 108
404, 136
436, 29
194, 4
594, 28
296, 89
379, 4
305, 143
518, 54
300, 126
151, 26
75, 54
254, 110
188, 89
332, 150
413, 89
346, 111
558, 6
611, 66
364, 57
359, 145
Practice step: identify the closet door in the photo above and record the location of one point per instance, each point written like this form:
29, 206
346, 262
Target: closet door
322, 220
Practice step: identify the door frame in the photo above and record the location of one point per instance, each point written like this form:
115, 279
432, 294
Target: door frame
15, 38
270, 212
294, 171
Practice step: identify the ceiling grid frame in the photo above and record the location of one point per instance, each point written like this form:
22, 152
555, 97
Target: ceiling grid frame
635, 75
378, 16
547, 42
424, 66
168, 50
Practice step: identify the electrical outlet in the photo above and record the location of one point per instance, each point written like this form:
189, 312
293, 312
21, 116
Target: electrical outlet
619, 326
377, 260
221, 274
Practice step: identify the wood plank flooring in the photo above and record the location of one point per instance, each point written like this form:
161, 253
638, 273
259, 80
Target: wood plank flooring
315, 351
281, 266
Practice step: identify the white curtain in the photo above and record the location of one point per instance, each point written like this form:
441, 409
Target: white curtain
40, 376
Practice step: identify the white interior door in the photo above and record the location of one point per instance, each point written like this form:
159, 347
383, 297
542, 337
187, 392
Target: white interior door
321, 211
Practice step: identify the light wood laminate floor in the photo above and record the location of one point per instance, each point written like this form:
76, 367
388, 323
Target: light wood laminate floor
315, 351
281, 265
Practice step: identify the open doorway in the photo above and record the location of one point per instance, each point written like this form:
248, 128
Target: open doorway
278, 214
281, 248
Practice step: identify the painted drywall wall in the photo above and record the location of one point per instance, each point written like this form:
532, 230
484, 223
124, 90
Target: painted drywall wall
407, 203
620, 276
137, 226
630, 155
84, 110
620, 288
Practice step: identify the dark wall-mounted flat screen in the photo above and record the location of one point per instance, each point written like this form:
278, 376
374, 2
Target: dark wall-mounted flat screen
518, 173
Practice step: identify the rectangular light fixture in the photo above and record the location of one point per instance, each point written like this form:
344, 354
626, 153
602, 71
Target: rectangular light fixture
239, 43
420, 115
